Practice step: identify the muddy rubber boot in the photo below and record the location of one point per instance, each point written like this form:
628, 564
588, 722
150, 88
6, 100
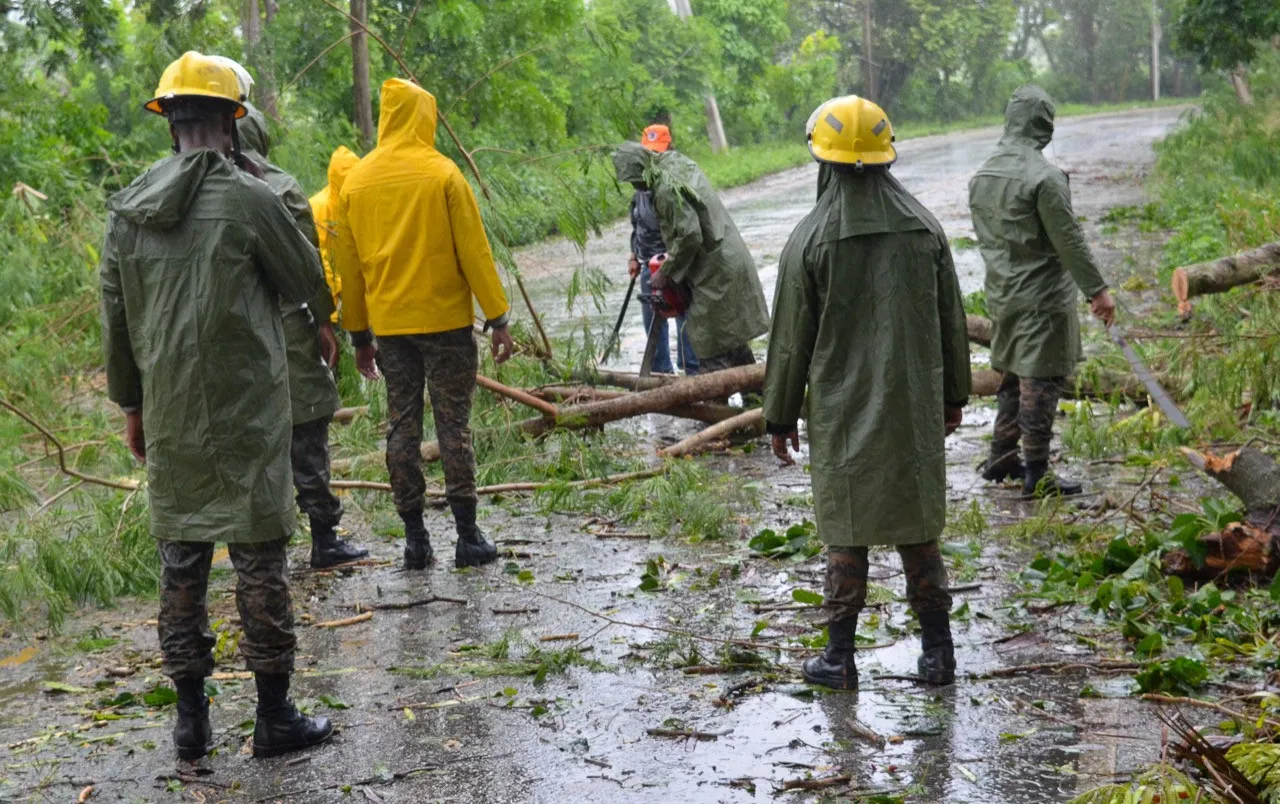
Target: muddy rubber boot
280, 727
417, 542
330, 550
834, 667
192, 734
1039, 483
473, 548
937, 664
1010, 468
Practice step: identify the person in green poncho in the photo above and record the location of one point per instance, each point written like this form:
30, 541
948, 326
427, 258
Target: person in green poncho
868, 317
1037, 258
312, 350
704, 252
198, 256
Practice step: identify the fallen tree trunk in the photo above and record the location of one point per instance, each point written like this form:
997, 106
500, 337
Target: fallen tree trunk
979, 329
1251, 545
986, 382
623, 379
751, 419
708, 412
683, 391
1219, 276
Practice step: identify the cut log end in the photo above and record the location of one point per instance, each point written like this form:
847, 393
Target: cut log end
1181, 291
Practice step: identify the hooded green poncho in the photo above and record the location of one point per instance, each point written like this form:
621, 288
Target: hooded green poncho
868, 315
704, 250
197, 259
313, 393
1033, 246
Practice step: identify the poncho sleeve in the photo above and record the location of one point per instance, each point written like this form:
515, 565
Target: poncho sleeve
796, 310
956, 382
1053, 205
124, 379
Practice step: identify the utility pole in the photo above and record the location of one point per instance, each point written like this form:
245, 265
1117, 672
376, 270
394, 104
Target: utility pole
360, 92
868, 67
715, 126
1156, 34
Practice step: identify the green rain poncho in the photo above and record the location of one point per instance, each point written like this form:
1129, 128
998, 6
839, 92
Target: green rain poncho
313, 394
197, 258
1035, 251
868, 315
705, 251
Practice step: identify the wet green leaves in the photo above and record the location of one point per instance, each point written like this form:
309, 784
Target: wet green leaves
798, 543
1182, 675
806, 597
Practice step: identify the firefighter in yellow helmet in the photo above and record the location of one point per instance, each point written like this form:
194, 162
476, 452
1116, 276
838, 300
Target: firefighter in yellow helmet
324, 210
197, 259
868, 316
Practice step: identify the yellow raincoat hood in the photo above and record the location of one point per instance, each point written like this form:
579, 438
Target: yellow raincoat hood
324, 208
410, 244
340, 165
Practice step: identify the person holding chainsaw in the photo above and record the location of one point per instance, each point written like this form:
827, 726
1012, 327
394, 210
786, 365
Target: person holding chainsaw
868, 317
1037, 261
646, 247
705, 255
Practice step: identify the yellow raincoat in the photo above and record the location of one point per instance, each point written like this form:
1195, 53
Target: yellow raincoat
410, 247
324, 211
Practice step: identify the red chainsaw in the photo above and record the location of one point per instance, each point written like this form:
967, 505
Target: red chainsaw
672, 301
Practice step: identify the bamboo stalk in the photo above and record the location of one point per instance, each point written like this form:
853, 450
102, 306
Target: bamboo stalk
516, 395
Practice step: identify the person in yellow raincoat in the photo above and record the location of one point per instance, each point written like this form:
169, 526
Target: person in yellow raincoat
414, 260
324, 209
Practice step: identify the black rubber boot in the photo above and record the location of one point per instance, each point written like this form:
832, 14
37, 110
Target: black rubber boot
835, 667
937, 663
192, 734
1040, 483
281, 728
473, 548
330, 550
1009, 468
417, 542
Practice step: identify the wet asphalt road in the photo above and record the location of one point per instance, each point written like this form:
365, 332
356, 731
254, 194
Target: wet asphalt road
582, 736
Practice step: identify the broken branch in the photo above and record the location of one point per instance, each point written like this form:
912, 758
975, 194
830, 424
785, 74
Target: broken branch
359, 618
1221, 275
126, 485
752, 420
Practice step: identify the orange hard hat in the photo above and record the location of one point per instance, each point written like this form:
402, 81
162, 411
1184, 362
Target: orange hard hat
656, 138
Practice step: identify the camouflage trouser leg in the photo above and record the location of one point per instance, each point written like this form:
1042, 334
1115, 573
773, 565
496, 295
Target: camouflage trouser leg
1004, 441
1038, 405
926, 577
309, 453
845, 588
400, 361
741, 356
183, 625
266, 608
443, 364
451, 362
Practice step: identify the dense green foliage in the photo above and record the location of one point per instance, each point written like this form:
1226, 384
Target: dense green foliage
1223, 34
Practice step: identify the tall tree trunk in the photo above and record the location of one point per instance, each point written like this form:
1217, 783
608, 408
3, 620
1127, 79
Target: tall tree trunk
1156, 33
1089, 41
715, 126
1240, 83
868, 66
360, 92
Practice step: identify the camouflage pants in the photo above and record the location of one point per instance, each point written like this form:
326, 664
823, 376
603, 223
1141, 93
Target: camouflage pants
444, 363
846, 584
1025, 408
262, 596
309, 454
741, 356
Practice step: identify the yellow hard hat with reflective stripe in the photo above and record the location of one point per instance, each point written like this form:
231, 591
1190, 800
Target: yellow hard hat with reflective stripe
851, 131
197, 75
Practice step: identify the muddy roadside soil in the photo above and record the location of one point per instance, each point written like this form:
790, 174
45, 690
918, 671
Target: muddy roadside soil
549, 701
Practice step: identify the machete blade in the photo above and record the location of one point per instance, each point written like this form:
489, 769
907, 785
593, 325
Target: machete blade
1162, 399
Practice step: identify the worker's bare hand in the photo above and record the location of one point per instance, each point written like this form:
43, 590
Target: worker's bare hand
501, 346
780, 443
952, 417
328, 345
366, 362
1104, 307
134, 435
633, 267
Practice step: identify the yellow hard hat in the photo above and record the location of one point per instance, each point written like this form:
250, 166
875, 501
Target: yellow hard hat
197, 75
851, 131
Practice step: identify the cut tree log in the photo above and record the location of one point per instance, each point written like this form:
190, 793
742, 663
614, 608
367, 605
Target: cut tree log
623, 379
708, 412
515, 394
682, 391
1219, 276
986, 382
1250, 546
979, 329
752, 420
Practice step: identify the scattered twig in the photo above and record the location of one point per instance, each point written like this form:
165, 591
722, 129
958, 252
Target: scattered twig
717, 669
557, 637
969, 587
1178, 700
84, 795
407, 604
867, 734
376, 780
126, 485
898, 677
618, 534
360, 562
1106, 666
514, 611
824, 783
49, 502
359, 618
689, 734
516, 395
